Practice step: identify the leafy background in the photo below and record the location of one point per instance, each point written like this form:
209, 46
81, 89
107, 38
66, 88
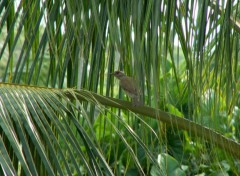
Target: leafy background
183, 54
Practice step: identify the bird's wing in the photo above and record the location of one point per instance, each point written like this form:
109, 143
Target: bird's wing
129, 86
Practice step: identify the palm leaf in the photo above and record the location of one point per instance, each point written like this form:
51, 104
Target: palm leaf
183, 54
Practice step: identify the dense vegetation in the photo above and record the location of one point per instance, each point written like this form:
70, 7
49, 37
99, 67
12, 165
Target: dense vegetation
62, 113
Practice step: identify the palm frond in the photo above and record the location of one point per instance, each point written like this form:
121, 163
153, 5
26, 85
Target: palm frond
183, 54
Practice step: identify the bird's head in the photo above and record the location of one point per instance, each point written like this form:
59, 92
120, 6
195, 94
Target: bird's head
118, 74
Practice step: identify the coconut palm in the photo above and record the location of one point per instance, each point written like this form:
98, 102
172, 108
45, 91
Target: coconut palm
62, 113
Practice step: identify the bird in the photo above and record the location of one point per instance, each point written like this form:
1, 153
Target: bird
128, 84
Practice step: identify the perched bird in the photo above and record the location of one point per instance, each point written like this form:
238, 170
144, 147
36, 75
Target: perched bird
129, 86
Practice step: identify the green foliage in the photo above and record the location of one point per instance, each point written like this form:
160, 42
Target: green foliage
183, 54
168, 165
